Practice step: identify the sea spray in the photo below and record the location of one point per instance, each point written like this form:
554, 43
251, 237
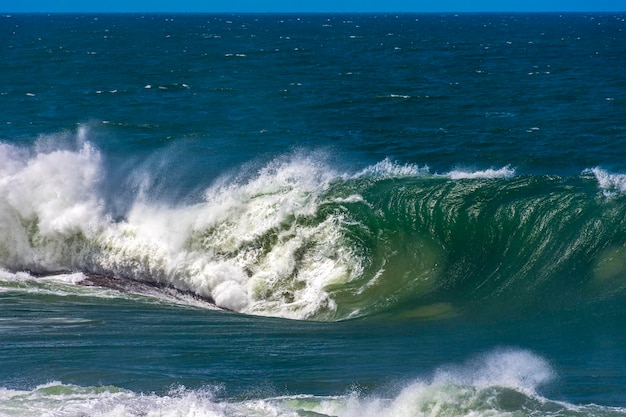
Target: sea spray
610, 183
49, 206
253, 246
498, 383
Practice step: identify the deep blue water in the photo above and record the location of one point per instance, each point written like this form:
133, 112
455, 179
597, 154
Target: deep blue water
262, 215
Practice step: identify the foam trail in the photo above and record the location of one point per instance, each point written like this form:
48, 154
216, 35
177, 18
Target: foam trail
59, 399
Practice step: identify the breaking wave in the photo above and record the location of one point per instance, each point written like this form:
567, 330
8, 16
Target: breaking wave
298, 238
500, 383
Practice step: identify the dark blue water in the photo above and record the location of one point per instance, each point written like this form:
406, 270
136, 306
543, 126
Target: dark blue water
312, 215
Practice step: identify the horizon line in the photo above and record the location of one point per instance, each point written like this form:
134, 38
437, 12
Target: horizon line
5, 13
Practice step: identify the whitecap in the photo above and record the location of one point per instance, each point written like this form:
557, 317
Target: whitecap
499, 383
609, 183
504, 172
390, 169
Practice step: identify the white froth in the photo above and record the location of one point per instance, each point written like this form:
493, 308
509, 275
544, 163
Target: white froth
46, 199
610, 184
243, 246
57, 399
389, 169
520, 370
253, 245
471, 389
504, 172
501, 383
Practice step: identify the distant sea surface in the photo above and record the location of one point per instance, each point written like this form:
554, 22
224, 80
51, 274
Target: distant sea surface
313, 215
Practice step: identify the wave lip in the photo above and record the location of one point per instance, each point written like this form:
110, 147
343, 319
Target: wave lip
496, 384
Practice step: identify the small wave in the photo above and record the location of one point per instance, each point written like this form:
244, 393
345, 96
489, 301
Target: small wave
500, 383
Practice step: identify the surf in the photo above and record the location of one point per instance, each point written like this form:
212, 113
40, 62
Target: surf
301, 239
501, 382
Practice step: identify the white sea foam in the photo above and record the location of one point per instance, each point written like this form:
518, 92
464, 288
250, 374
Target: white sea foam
47, 199
244, 245
519, 370
610, 184
504, 172
390, 169
501, 383
473, 389
57, 399
250, 245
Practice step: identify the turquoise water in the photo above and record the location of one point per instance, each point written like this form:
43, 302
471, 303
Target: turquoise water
310, 215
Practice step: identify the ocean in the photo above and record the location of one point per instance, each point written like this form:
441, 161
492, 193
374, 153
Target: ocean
313, 215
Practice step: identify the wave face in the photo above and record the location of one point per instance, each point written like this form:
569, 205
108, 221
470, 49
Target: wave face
501, 383
298, 238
